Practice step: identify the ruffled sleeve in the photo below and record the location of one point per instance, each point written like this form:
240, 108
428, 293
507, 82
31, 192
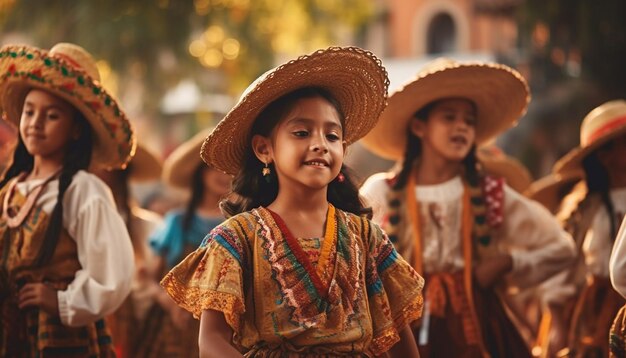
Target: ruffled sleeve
104, 249
393, 287
212, 277
539, 247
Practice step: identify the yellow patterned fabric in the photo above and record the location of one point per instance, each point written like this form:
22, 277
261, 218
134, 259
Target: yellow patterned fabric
246, 268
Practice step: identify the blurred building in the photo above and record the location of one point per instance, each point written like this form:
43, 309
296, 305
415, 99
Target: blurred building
409, 29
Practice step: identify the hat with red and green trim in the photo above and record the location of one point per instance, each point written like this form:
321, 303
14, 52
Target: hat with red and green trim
69, 72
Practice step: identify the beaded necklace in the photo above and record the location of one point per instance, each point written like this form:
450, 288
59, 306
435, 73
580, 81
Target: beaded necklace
16, 218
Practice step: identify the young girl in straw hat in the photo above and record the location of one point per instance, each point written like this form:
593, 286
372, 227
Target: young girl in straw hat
67, 260
174, 332
129, 324
465, 231
591, 213
298, 270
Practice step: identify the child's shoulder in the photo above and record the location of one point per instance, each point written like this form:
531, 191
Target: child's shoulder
379, 181
243, 223
359, 223
86, 186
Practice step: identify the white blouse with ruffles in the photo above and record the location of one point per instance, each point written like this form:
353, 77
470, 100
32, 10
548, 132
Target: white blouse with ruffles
598, 239
537, 244
104, 248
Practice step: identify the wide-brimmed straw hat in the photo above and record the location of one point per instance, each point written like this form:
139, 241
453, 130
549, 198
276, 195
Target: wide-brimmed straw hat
551, 189
180, 165
499, 92
603, 124
69, 72
145, 165
354, 77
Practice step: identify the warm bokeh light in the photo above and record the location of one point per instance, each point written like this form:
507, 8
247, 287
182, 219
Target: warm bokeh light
214, 34
197, 48
212, 58
230, 48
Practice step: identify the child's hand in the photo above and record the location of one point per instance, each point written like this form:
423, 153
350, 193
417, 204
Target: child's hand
490, 270
39, 295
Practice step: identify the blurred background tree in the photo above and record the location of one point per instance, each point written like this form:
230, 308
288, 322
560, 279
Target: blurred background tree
221, 44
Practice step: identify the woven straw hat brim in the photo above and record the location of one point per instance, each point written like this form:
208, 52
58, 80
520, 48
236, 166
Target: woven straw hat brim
548, 190
354, 77
145, 166
180, 165
573, 160
23, 68
500, 93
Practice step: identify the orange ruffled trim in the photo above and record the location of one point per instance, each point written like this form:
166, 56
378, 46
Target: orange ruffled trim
390, 336
196, 300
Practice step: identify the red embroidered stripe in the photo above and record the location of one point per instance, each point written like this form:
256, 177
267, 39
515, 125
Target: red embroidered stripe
300, 255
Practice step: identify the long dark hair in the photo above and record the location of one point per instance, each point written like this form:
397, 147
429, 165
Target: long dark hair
413, 152
197, 195
597, 179
120, 186
77, 157
252, 190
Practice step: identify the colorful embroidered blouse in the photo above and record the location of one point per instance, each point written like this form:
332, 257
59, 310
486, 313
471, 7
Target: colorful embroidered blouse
276, 300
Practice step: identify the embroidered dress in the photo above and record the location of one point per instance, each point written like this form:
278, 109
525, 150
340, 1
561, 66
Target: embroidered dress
283, 297
79, 331
460, 318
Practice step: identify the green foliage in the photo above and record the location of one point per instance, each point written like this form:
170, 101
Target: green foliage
149, 39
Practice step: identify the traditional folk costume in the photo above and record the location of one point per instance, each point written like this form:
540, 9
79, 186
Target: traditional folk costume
348, 293
159, 336
443, 230
127, 324
586, 217
93, 259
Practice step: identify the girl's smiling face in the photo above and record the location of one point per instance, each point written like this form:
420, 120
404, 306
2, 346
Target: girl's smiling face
449, 131
47, 125
307, 146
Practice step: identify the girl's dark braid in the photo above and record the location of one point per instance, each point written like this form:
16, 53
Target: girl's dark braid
77, 157
481, 230
413, 149
22, 162
197, 195
412, 152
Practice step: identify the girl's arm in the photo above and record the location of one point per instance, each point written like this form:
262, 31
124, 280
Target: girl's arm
406, 347
104, 251
617, 264
215, 336
538, 246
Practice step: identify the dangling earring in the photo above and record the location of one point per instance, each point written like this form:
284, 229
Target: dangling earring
266, 171
341, 178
